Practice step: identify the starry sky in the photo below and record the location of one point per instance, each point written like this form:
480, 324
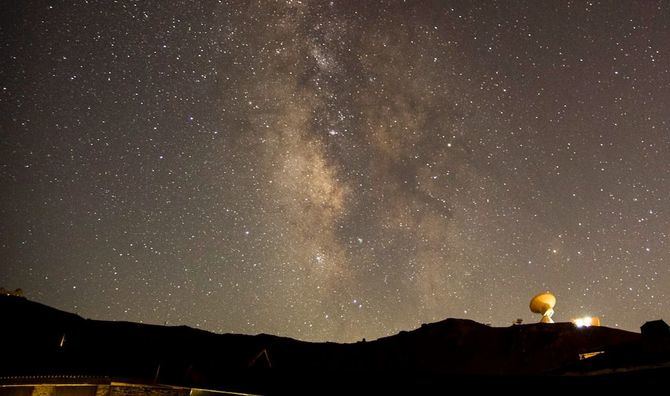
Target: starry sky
336, 170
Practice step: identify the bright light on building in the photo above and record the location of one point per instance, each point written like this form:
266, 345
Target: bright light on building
586, 321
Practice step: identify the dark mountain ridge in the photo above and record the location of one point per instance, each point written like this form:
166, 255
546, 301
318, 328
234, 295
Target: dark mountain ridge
40, 340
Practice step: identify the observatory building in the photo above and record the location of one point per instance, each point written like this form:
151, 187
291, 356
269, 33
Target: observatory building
543, 304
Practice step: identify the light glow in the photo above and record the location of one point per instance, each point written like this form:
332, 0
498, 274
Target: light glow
586, 321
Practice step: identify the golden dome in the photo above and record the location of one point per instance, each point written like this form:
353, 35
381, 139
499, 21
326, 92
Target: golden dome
542, 303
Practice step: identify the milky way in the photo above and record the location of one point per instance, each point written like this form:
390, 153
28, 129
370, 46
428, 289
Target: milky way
336, 170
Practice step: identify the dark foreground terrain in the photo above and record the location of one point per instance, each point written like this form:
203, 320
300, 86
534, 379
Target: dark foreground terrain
37, 340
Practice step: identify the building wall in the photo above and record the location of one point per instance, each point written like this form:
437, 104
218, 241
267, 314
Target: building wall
91, 390
50, 390
137, 390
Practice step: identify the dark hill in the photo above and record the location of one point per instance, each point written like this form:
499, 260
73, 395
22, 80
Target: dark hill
39, 340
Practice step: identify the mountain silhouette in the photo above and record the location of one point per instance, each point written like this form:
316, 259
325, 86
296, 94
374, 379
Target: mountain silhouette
38, 340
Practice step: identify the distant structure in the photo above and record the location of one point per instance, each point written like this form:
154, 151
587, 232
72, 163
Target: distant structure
655, 329
7, 292
543, 304
587, 321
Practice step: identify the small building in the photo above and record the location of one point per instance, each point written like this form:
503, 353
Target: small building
655, 329
73, 385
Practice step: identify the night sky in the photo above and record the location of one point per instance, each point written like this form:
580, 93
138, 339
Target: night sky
336, 170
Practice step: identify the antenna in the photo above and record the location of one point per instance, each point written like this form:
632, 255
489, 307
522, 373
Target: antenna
264, 353
543, 304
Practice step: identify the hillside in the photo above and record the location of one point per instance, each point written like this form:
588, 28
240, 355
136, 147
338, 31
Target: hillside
39, 340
